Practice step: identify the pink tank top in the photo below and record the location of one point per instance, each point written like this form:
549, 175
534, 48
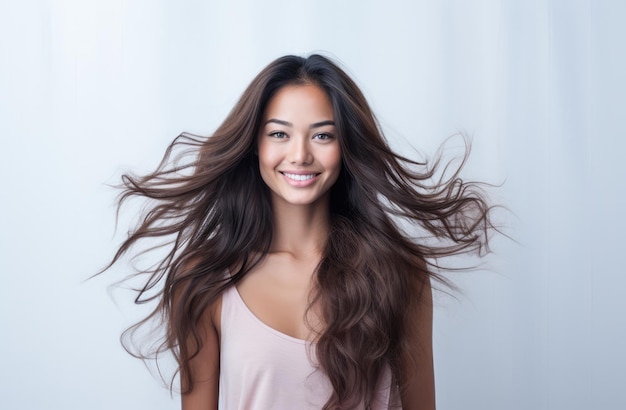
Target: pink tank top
262, 368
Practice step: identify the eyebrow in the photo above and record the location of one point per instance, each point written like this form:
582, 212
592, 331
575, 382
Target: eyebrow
288, 124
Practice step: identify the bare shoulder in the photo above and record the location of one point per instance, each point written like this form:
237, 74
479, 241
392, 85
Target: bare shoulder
204, 366
417, 372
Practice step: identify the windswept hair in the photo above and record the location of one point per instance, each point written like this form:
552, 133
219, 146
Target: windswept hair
208, 200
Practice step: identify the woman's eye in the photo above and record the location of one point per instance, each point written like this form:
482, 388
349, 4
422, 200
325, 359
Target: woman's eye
278, 134
323, 136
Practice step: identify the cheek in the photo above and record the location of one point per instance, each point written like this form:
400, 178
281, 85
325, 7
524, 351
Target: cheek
264, 173
268, 147
264, 155
335, 159
267, 161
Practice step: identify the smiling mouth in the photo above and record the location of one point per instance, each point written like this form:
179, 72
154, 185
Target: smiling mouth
299, 177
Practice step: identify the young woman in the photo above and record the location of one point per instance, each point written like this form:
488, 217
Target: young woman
293, 279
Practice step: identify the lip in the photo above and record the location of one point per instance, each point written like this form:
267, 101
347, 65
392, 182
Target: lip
300, 182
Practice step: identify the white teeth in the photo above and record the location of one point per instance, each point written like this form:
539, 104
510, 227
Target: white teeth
299, 177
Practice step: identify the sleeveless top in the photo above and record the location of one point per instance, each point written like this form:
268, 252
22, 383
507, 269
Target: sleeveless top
262, 368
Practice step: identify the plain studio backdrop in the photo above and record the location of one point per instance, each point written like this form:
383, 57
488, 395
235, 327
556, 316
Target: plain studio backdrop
90, 89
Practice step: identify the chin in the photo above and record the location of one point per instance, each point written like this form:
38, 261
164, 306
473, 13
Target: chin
302, 201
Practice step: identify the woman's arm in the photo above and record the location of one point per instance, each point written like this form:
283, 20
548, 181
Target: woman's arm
417, 371
205, 368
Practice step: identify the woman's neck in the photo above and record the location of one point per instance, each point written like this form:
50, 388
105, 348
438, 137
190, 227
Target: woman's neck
300, 230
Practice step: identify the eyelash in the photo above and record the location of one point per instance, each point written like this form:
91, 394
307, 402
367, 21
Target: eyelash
326, 136
278, 134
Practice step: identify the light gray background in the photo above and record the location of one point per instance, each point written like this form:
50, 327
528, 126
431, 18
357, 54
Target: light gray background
89, 89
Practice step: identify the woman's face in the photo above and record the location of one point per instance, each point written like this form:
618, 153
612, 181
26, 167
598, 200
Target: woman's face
299, 154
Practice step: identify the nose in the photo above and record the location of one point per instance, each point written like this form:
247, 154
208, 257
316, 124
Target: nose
299, 151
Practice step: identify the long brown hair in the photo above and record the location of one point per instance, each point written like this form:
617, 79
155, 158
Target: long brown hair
207, 196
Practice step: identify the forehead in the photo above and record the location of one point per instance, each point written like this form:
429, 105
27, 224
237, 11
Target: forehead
300, 101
